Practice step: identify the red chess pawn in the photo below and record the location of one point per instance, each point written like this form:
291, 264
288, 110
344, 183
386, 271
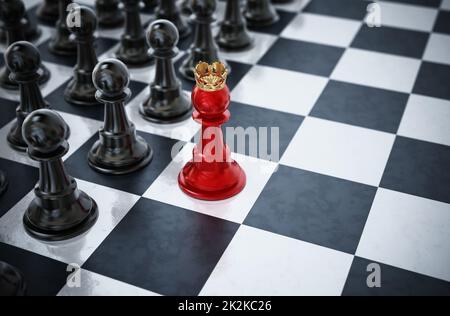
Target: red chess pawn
211, 174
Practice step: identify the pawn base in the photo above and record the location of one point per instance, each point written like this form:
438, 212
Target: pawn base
262, 22
12, 282
108, 162
80, 94
134, 52
3, 183
7, 83
166, 106
40, 225
234, 39
222, 183
63, 48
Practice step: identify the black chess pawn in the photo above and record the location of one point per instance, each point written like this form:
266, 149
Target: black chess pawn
3, 182
81, 90
185, 6
12, 282
168, 10
23, 60
204, 48
12, 13
282, 1
167, 103
233, 34
119, 150
59, 209
47, 12
133, 49
259, 13
62, 43
30, 29
150, 5
109, 14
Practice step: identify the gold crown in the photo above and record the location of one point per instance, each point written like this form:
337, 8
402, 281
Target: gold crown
211, 77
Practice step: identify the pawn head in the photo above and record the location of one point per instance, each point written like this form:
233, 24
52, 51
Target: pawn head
11, 11
81, 20
204, 7
44, 130
22, 58
111, 77
162, 35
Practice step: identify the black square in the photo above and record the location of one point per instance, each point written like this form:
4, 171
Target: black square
391, 40
433, 80
394, 282
44, 276
96, 112
101, 45
442, 24
362, 106
137, 182
7, 111
163, 248
351, 9
275, 29
316, 59
323, 210
418, 168
21, 180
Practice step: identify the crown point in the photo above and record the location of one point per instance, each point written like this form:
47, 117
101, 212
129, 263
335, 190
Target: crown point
211, 77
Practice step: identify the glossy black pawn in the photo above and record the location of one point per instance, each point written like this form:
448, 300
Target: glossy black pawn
119, 150
59, 209
12, 282
47, 12
204, 48
186, 7
168, 10
30, 30
167, 103
12, 12
109, 14
61, 42
150, 5
259, 13
233, 34
23, 60
133, 49
3, 182
81, 90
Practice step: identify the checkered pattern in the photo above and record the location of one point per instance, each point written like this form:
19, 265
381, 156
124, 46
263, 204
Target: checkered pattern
364, 117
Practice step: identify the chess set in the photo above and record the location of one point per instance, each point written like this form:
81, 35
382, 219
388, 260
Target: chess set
101, 194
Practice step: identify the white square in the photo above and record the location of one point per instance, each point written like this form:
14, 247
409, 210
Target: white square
184, 130
113, 205
81, 129
261, 44
408, 232
339, 150
427, 119
94, 284
377, 70
438, 48
445, 5
322, 29
233, 209
259, 263
280, 90
293, 6
407, 16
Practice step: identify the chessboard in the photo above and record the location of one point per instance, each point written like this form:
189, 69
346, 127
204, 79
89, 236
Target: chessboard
361, 189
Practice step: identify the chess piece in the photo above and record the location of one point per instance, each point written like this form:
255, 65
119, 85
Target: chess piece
62, 43
30, 29
12, 13
185, 6
3, 182
133, 49
281, 1
47, 12
168, 10
150, 5
81, 90
211, 174
260, 13
233, 34
167, 103
12, 282
109, 14
23, 60
119, 150
204, 48
59, 209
